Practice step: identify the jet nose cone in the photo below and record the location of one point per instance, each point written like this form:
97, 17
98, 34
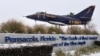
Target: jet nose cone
29, 16
32, 16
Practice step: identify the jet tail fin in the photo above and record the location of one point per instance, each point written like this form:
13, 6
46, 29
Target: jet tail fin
86, 14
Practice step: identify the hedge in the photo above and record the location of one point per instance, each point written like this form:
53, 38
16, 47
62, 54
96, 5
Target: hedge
43, 50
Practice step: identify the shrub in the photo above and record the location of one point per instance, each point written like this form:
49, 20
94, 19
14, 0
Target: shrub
55, 30
12, 26
29, 30
60, 53
40, 29
88, 50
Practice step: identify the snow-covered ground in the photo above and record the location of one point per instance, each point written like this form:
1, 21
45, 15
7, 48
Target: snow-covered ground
16, 45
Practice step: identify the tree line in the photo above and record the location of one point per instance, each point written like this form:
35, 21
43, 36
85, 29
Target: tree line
14, 26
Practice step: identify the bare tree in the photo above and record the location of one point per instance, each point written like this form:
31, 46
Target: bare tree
90, 29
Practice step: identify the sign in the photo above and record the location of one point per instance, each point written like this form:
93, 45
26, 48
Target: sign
59, 41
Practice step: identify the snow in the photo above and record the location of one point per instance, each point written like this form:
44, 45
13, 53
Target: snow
17, 45
93, 54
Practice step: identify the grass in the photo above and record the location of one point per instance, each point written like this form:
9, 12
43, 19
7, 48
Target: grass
88, 50
85, 50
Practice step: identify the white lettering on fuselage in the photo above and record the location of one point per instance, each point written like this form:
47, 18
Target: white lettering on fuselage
57, 23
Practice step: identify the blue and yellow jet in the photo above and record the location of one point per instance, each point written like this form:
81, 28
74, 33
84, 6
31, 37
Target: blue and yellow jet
81, 18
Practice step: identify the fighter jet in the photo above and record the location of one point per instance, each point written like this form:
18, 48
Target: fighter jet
81, 18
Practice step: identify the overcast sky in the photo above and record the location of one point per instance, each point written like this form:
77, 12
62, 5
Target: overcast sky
17, 8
